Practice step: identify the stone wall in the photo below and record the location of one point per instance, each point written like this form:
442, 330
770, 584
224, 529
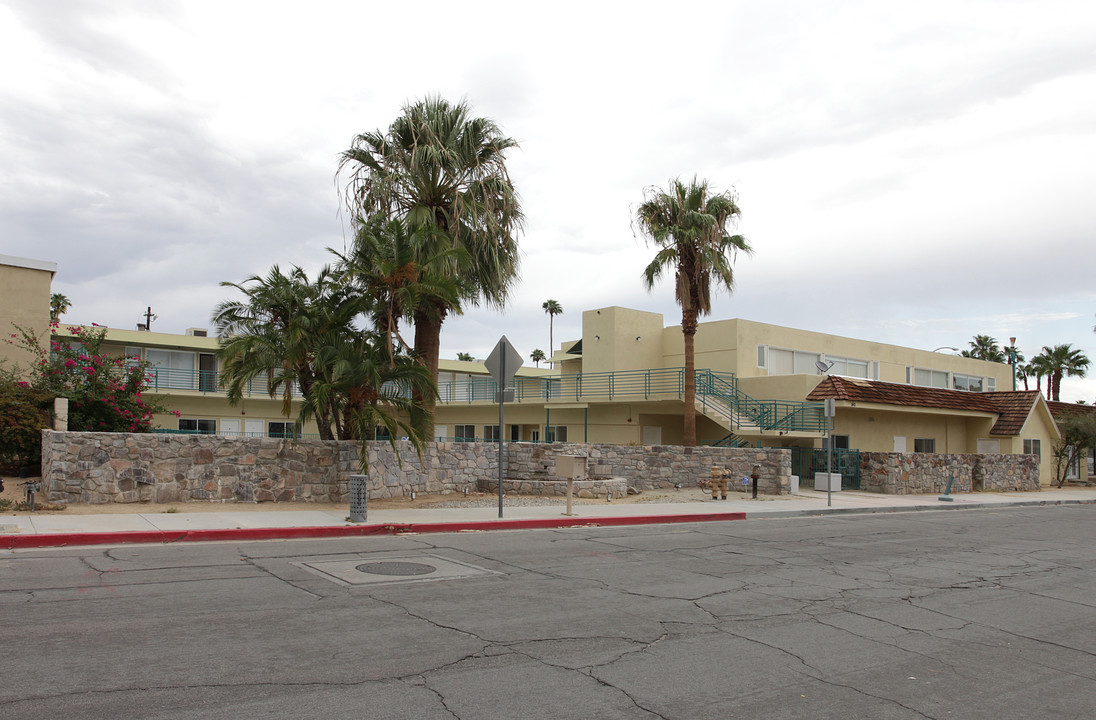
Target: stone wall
121, 467
928, 473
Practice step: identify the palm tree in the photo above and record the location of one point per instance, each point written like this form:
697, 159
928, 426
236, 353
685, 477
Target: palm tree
465, 357
984, 347
538, 357
1059, 361
553, 308
387, 266
276, 331
443, 173
58, 306
690, 224
1039, 368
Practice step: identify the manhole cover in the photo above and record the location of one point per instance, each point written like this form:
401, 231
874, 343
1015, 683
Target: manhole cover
396, 568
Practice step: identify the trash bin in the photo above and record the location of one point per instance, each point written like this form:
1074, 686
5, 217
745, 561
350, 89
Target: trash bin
359, 497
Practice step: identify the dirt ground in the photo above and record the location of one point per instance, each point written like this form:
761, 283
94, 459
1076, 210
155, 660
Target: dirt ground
15, 492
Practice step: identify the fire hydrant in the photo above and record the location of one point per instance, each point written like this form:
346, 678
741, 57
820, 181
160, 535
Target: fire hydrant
755, 475
718, 482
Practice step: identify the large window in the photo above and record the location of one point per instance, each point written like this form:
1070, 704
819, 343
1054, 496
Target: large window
792, 362
1033, 447
967, 382
279, 429
491, 433
556, 433
930, 378
849, 367
924, 445
464, 433
198, 425
172, 369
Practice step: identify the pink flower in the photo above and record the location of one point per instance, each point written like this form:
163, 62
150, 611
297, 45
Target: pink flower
70, 363
89, 370
23, 383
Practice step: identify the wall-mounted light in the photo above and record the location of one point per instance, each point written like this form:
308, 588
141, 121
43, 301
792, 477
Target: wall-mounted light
597, 337
637, 338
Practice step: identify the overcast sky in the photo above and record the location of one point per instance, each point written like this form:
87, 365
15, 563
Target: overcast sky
911, 173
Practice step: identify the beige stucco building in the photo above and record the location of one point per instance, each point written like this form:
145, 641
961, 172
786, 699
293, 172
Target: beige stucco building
25, 302
622, 382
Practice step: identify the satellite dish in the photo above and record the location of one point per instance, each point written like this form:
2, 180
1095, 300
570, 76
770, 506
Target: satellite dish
823, 367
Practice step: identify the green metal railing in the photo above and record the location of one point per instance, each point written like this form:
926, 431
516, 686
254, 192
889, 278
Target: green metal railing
721, 391
298, 436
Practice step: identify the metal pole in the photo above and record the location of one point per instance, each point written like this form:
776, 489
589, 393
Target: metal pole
829, 461
502, 441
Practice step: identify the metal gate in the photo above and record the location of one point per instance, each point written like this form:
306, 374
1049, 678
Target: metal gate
807, 461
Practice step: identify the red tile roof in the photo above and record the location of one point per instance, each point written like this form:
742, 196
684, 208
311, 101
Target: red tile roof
1011, 408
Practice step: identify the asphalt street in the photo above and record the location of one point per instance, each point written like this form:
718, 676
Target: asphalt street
976, 614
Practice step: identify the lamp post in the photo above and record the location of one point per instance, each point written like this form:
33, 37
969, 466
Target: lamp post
946, 347
1012, 360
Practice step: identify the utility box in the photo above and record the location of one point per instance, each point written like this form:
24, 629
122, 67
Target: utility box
359, 498
827, 481
795, 484
571, 467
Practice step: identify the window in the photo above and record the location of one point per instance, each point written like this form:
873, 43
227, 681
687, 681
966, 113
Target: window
515, 433
849, 367
133, 355
1033, 447
171, 369
967, 382
196, 425
929, 378
556, 433
464, 433
991, 385
789, 362
761, 350
1073, 470
924, 445
280, 429
491, 433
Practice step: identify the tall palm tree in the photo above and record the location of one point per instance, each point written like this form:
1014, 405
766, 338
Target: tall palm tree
442, 172
58, 306
984, 347
690, 225
553, 308
1059, 361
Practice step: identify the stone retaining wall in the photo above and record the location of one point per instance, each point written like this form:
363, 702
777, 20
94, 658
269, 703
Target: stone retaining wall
122, 467
928, 473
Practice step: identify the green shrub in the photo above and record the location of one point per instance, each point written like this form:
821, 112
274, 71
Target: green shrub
24, 412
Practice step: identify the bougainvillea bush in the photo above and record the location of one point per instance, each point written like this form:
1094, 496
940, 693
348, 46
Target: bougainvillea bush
24, 411
105, 393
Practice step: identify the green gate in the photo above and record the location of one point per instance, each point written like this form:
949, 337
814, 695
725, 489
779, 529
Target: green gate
807, 461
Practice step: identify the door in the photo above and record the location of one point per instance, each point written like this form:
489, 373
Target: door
230, 428
652, 434
254, 428
207, 372
899, 444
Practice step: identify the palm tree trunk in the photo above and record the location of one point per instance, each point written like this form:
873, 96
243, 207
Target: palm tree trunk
427, 346
688, 330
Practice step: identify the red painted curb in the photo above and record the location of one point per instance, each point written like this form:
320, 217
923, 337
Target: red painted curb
72, 539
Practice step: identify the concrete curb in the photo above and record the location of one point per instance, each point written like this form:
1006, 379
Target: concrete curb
73, 539
910, 508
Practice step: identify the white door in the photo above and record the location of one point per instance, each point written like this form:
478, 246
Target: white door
652, 434
254, 428
441, 432
230, 428
899, 444
989, 447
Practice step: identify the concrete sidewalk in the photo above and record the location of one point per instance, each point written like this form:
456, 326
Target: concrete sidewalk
246, 523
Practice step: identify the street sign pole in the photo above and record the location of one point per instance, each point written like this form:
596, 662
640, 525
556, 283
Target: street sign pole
502, 363
502, 435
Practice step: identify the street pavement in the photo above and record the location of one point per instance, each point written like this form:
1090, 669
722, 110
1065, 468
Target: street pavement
985, 613
246, 521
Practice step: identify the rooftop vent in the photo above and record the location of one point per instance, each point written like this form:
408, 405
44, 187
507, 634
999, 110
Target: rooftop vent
197, 332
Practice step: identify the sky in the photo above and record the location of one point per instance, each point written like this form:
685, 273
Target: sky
908, 173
